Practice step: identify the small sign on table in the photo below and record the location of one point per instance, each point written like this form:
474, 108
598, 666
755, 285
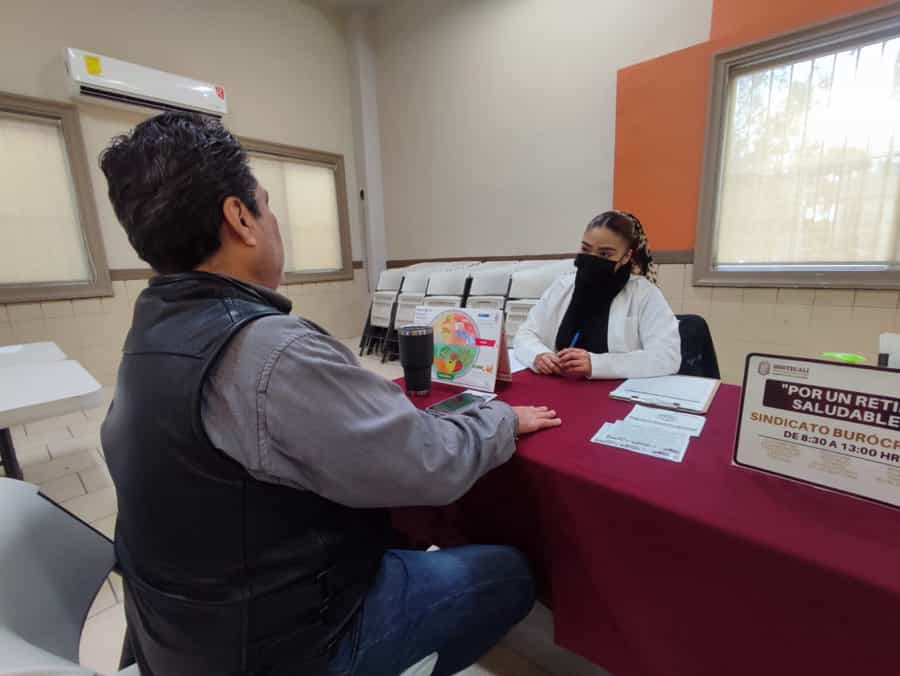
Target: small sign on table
836, 426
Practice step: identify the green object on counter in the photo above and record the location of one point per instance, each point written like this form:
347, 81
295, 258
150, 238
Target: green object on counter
845, 357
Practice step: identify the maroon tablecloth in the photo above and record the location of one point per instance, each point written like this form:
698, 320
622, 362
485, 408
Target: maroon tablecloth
657, 568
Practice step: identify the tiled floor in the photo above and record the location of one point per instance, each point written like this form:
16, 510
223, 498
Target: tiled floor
62, 455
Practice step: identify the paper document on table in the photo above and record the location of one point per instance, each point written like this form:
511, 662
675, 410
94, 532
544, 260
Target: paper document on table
686, 423
9, 349
645, 439
514, 364
682, 393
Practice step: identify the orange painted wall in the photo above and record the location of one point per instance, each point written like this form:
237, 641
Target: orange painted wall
661, 113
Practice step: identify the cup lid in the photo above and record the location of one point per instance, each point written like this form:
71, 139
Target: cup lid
415, 331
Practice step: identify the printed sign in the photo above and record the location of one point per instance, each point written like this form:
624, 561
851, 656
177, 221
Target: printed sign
469, 346
833, 425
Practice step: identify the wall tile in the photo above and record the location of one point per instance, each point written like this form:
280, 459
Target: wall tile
873, 320
796, 296
30, 331
20, 312
837, 297
671, 281
87, 306
696, 307
760, 296
6, 334
57, 308
882, 299
727, 295
4, 314
67, 332
134, 287
119, 302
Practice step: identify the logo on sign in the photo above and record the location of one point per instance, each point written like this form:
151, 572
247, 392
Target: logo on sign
220, 92
764, 368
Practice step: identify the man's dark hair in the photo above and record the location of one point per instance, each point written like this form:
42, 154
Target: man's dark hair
168, 179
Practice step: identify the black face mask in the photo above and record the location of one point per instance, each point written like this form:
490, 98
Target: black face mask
599, 275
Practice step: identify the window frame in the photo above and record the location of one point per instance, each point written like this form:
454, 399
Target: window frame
816, 40
335, 162
100, 284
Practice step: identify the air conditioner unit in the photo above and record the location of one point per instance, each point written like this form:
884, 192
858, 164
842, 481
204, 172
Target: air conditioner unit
100, 79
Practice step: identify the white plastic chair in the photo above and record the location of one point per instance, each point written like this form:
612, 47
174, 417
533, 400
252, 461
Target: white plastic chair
412, 294
490, 287
446, 288
385, 296
53, 565
526, 288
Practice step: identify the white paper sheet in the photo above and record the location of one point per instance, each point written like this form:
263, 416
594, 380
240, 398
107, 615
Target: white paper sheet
684, 423
679, 392
644, 439
514, 364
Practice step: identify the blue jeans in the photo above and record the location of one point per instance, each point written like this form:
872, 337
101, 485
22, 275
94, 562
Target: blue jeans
456, 602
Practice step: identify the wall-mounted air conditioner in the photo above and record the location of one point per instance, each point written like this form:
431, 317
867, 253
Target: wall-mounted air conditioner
100, 79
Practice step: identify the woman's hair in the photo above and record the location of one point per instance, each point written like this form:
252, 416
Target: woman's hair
628, 226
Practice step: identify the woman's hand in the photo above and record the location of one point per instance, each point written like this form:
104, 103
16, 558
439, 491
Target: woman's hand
547, 364
575, 363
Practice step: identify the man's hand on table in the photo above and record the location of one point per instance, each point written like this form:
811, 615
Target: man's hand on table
535, 418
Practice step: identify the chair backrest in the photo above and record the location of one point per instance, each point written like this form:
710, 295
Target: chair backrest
52, 566
698, 354
416, 280
390, 280
532, 282
491, 281
450, 282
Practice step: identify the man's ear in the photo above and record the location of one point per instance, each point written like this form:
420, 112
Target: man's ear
239, 220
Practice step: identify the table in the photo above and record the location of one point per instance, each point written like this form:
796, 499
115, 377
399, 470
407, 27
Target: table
30, 353
32, 389
699, 568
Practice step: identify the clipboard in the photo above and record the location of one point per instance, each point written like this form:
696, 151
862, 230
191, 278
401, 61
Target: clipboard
690, 394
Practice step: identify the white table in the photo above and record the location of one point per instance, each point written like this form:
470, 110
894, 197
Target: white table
30, 353
31, 390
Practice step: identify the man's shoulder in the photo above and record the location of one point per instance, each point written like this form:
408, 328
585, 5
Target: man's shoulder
264, 339
276, 328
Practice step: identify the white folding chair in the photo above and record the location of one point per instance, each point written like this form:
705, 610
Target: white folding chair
381, 309
447, 288
490, 286
527, 286
53, 565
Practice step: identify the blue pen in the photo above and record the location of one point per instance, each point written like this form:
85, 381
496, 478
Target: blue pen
575, 339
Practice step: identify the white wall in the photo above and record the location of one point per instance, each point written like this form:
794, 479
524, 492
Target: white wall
283, 63
498, 116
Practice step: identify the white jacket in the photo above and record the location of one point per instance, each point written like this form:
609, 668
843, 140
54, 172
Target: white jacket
643, 333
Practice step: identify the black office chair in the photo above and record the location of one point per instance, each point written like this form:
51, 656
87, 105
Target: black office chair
698, 354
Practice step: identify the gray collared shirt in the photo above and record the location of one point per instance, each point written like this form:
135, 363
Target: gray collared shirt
293, 406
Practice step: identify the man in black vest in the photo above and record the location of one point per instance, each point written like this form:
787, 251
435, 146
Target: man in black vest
253, 458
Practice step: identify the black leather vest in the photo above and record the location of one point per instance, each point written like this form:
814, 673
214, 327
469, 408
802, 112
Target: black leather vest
224, 574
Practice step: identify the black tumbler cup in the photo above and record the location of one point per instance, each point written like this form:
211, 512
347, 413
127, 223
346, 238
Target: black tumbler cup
417, 355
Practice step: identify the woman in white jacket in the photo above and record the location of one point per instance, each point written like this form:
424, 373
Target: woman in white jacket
602, 320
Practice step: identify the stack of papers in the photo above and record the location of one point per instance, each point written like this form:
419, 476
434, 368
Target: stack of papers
660, 433
683, 393
514, 364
